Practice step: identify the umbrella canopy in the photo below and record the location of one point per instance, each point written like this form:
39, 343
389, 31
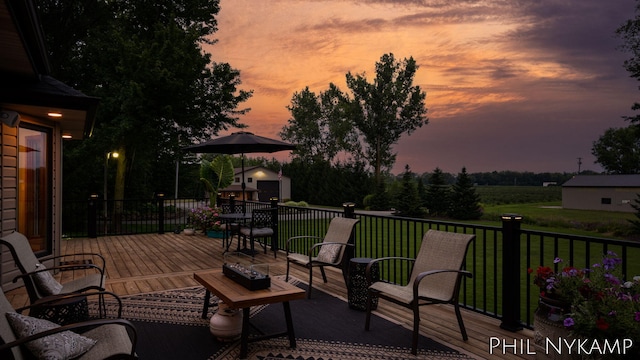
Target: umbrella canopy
241, 142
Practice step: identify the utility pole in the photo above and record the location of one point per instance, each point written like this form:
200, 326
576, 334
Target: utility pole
579, 164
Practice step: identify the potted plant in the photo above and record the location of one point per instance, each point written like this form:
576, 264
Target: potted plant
594, 306
206, 219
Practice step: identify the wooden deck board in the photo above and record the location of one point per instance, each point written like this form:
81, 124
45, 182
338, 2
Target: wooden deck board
153, 262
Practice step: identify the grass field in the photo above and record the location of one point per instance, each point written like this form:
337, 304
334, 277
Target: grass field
541, 209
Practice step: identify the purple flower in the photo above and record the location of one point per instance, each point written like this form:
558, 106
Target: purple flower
636, 316
568, 322
612, 279
557, 260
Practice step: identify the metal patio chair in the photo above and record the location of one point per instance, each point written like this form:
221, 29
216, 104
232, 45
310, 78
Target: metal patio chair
38, 279
435, 278
327, 251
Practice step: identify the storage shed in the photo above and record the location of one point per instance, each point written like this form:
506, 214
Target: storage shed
601, 192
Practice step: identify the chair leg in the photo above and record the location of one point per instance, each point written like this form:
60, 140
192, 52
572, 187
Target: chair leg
416, 330
310, 281
463, 331
367, 321
324, 276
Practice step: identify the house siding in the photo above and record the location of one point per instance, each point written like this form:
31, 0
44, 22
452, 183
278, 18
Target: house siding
590, 198
8, 200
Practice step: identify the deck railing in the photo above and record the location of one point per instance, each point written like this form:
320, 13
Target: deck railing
498, 258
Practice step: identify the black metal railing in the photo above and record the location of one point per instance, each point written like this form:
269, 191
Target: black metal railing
498, 258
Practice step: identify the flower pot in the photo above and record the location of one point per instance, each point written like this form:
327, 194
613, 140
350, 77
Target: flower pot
189, 231
548, 324
215, 234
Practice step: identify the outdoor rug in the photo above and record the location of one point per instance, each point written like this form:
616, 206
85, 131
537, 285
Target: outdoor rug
170, 326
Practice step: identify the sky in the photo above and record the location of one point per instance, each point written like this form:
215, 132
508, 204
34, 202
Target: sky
512, 85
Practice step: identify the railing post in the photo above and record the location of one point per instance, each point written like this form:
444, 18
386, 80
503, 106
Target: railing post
160, 198
511, 272
274, 224
349, 252
92, 220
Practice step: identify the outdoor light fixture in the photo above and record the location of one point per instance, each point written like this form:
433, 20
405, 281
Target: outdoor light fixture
67, 136
54, 114
10, 118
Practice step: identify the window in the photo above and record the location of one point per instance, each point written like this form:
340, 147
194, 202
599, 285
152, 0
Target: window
35, 184
605, 201
250, 180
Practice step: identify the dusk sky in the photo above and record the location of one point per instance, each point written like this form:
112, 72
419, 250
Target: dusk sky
511, 84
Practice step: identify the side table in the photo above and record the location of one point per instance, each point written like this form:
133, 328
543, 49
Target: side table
358, 284
63, 311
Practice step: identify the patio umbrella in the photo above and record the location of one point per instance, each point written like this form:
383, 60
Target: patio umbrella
241, 142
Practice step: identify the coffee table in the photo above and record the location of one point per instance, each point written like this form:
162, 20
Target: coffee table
238, 297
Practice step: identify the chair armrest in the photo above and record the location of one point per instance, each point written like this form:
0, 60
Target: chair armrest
131, 331
301, 237
92, 255
52, 299
416, 283
367, 270
63, 267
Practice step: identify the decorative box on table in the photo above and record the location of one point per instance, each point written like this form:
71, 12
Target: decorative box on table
240, 268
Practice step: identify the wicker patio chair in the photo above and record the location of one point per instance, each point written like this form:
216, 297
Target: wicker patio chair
435, 278
330, 249
38, 279
259, 230
26, 337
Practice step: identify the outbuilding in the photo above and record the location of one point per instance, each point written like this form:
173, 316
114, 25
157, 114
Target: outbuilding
261, 184
601, 192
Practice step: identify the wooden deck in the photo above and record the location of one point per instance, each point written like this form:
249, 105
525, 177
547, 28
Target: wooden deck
153, 262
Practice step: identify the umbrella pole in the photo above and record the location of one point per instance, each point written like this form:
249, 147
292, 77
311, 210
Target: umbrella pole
244, 194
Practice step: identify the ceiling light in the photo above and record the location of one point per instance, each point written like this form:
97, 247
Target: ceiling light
54, 114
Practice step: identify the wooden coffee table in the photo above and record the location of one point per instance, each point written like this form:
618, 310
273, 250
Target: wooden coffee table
238, 297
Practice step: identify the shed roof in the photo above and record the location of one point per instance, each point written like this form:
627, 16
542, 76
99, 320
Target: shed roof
604, 181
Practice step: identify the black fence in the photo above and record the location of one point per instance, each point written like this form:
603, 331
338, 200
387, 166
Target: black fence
498, 258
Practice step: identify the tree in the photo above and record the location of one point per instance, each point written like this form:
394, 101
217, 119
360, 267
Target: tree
319, 125
159, 90
386, 108
636, 222
618, 150
629, 32
409, 200
465, 202
438, 194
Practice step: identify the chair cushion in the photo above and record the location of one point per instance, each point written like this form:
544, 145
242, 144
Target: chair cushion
45, 282
329, 253
63, 345
256, 232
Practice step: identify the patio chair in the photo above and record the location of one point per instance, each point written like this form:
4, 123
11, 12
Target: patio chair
330, 249
434, 279
38, 279
26, 337
259, 230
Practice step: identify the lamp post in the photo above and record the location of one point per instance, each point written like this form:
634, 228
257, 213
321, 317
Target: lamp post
106, 167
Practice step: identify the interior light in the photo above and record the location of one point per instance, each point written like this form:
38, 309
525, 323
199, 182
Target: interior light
67, 136
54, 114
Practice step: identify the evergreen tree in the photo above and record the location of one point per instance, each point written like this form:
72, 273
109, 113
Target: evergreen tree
438, 193
636, 222
380, 199
408, 201
465, 202
422, 193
